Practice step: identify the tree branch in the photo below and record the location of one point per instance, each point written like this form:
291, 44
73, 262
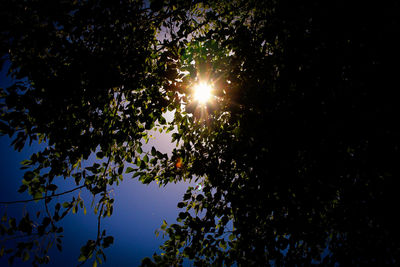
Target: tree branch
40, 198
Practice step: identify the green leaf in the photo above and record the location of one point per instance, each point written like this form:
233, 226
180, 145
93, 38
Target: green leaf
81, 258
231, 237
164, 225
138, 161
12, 223
25, 256
26, 162
99, 259
153, 151
146, 159
37, 195
142, 165
94, 264
130, 169
222, 244
137, 174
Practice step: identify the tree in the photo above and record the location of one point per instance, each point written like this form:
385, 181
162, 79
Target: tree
296, 154
93, 79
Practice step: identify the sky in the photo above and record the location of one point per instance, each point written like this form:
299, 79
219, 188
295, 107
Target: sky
138, 211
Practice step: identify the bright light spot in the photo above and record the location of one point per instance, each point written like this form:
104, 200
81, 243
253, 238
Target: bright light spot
202, 92
198, 187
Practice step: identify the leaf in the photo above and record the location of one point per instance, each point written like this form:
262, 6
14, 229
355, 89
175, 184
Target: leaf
156, 5
137, 174
12, 223
46, 221
231, 237
164, 225
28, 176
25, 256
107, 241
138, 161
146, 159
81, 258
199, 197
52, 187
94, 264
179, 163
38, 195
222, 244
4, 128
26, 162
183, 215
130, 169
22, 188
120, 170
153, 151
142, 165
187, 196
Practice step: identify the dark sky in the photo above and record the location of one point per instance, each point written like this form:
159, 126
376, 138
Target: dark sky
139, 209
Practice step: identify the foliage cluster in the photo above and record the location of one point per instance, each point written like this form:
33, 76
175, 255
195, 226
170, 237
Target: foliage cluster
297, 153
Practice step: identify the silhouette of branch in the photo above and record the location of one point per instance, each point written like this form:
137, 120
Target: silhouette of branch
40, 198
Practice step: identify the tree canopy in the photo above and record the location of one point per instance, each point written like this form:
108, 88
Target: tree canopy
296, 154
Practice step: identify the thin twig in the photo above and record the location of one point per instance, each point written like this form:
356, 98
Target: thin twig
99, 224
47, 208
40, 198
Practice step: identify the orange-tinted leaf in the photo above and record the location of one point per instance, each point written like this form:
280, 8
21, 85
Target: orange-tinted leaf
179, 163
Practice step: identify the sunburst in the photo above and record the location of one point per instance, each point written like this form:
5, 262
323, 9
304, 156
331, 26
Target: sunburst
202, 92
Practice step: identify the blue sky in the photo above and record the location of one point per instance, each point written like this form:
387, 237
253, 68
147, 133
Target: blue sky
138, 211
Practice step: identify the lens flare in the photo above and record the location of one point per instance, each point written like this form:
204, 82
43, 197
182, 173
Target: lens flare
202, 92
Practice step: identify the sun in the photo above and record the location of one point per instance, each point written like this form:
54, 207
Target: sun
202, 92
